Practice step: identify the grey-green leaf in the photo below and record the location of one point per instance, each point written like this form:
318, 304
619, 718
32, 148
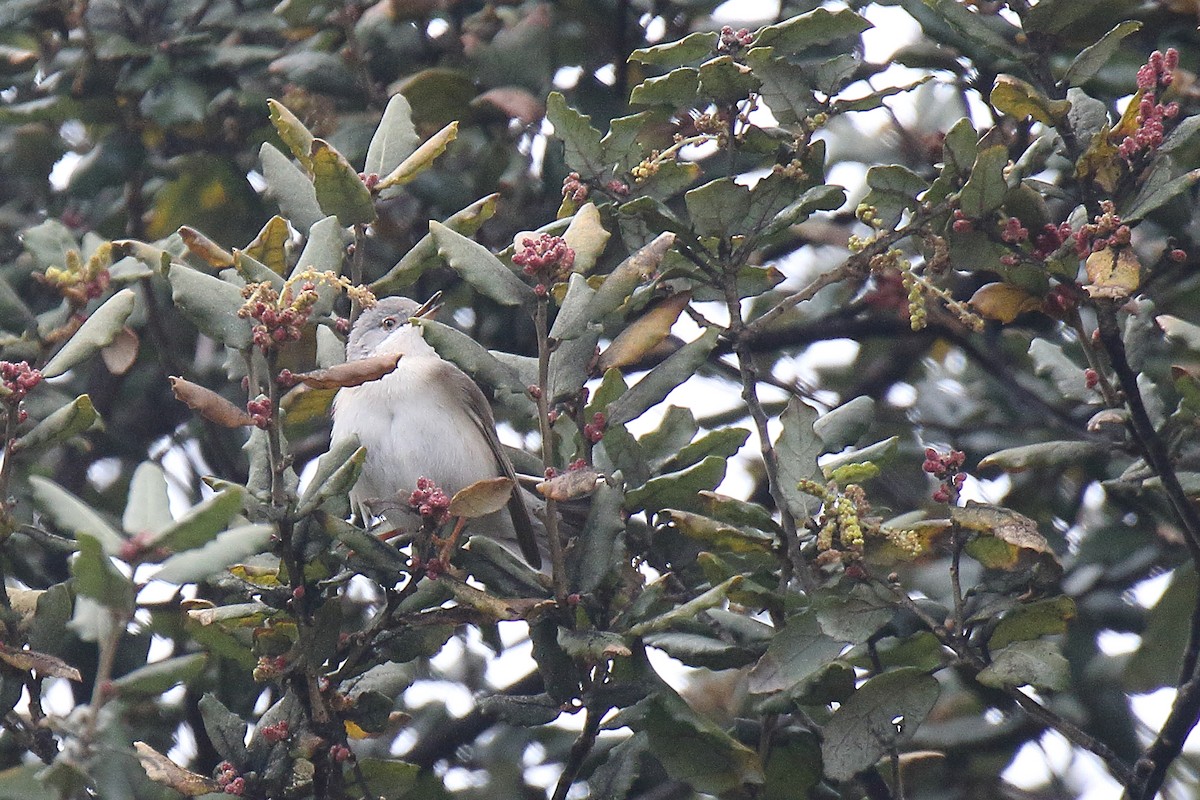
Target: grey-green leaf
478, 267
229, 548
148, 507
394, 140
211, 304
659, 382
101, 327
73, 515
291, 189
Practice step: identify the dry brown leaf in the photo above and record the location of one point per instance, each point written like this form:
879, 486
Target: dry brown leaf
351, 373
209, 404
163, 770
45, 665
644, 334
1004, 302
205, 248
121, 352
514, 102
570, 484
481, 498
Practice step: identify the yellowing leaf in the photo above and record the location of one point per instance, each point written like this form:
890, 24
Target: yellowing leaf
1003, 301
1101, 161
340, 192
1008, 540
1019, 99
293, 132
269, 246
644, 334
1114, 272
421, 158
587, 237
205, 248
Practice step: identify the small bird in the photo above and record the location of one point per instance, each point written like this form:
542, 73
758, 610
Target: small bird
425, 419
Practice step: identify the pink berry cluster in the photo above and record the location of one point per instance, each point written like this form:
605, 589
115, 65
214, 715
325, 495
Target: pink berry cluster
574, 189
730, 41
430, 502
276, 732
1104, 231
1063, 299
546, 258
1050, 238
229, 781
1091, 378
339, 753
279, 318
261, 410
1013, 231
594, 430
16, 379
948, 468
268, 668
961, 223
1153, 78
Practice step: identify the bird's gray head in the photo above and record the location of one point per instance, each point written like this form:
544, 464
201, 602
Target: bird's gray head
386, 320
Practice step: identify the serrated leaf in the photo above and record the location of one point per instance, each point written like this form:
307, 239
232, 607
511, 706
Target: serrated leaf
985, 190
1032, 621
692, 47
478, 267
202, 522
61, 425
474, 359
292, 131
424, 255
845, 424
1157, 193
340, 192
101, 327
421, 158
796, 653
883, 714
659, 382
1008, 540
677, 489
212, 306
818, 27
726, 81
1035, 663
582, 141
225, 730
228, 548
675, 89
796, 451
719, 208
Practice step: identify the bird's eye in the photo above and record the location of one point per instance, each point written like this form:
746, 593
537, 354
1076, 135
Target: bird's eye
389, 323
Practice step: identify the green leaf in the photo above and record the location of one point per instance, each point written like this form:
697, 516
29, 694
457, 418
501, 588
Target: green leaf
1049, 360
598, 545
892, 190
212, 305
875, 453
677, 489
985, 190
684, 612
726, 81
1156, 193
846, 424
156, 678
960, 148
1035, 663
690, 48
424, 253
1092, 58
992, 33
582, 141
883, 714
716, 536
525, 711
62, 425
796, 452
478, 267
1160, 656
97, 578
227, 549
793, 767
1032, 621
796, 653
633, 271
475, 360
291, 189
1043, 454
101, 327
337, 472
675, 89
785, 86
700, 650
340, 192
659, 382
854, 616
420, 160
148, 507
737, 512
389, 779
719, 208
202, 522
395, 139
818, 27
72, 515
376, 557
225, 730
723, 443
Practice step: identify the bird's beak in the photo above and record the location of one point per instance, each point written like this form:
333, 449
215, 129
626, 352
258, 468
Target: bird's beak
430, 307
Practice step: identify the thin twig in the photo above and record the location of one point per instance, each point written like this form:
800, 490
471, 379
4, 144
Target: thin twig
557, 564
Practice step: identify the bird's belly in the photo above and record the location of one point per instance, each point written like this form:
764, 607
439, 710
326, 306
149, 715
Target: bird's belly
411, 434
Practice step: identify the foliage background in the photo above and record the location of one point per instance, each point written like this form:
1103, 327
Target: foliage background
162, 109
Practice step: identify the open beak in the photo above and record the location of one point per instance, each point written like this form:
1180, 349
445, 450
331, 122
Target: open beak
430, 307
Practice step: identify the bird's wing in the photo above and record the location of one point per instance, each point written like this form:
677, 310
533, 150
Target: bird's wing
481, 413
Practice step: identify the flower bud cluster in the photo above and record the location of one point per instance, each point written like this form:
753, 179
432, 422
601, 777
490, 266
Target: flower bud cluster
281, 315
546, 258
276, 732
574, 189
594, 430
79, 282
16, 379
948, 468
731, 41
1105, 230
1153, 78
268, 668
229, 781
430, 502
261, 410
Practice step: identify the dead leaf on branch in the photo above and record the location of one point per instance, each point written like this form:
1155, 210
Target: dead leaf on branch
209, 404
570, 485
166, 772
351, 373
481, 498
